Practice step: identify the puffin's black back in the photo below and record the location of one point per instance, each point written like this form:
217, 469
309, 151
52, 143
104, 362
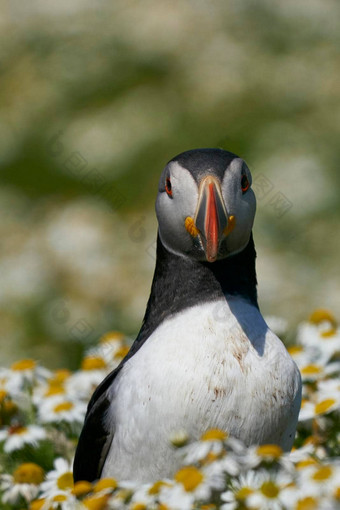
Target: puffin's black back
178, 283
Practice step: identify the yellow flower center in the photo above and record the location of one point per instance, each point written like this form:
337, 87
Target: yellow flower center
305, 463
295, 349
190, 477
93, 363
17, 429
309, 440
54, 390
64, 406
156, 487
37, 504
59, 498
214, 435
308, 503
112, 336
81, 488
321, 315
243, 493
56, 383
210, 457
122, 351
269, 450
65, 481
24, 364
60, 376
324, 406
270, 489
29, 473
96, 502
3, 395
322, 474
311, 370
123, 494
328, 332
138, 506
337, 493
105, 483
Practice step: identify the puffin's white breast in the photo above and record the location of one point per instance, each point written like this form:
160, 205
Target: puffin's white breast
215, 365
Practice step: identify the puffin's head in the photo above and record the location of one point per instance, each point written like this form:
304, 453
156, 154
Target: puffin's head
205, 205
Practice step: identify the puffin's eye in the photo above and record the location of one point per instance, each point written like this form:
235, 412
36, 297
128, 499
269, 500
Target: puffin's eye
244, 183
168, 187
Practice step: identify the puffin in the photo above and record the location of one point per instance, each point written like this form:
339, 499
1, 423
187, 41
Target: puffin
204, 357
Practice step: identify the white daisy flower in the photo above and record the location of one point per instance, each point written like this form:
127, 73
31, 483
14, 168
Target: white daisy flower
58, 481
241, 488
143, 497
25, 372
60, 408
237, 447
83, 382
177, 497
215, 473
220, 453
54, 385
179, 438
7, 387
108, 485
329, 388
113, 347
302, 356
211, 443
321, 403
13, 395
288, 496
320, 479
17, 436
229, 464
268, 495
24, 483
121, 496
300, 500
64, 501
317, 371
320, 334
289, 460
302, 455
256, 454
190, 484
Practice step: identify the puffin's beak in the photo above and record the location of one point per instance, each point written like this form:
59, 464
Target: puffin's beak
211, 217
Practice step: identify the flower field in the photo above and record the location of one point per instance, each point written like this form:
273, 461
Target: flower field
41, 415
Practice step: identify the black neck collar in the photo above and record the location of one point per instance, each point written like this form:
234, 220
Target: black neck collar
180, 283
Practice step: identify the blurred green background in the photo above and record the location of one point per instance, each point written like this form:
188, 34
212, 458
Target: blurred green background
97, 96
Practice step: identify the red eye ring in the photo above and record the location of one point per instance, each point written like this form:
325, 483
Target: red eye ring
244, 183
168, 187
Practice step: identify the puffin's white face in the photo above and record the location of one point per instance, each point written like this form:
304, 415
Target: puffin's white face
206, 215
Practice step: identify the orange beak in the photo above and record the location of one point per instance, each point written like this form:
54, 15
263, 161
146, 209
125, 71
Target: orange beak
211, 217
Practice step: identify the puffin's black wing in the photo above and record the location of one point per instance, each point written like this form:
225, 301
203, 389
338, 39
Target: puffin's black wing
96, 436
